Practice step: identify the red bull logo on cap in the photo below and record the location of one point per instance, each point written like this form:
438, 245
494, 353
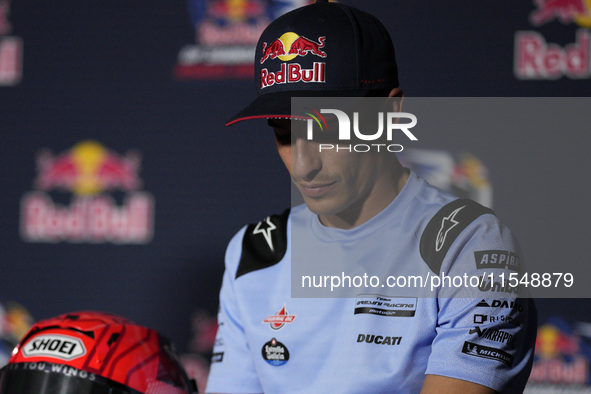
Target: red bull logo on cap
287, 47
88, 171
290, 45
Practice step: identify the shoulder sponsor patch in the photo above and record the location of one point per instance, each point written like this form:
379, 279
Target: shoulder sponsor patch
496, 259
445, 226
476, 350
264, 244
375, 304
59, 346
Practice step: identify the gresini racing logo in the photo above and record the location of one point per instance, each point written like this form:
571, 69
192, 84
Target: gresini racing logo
387, 123
380, 305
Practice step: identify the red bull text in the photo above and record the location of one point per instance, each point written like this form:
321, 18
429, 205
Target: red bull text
90, 219
537, 59
87, 170
293, 73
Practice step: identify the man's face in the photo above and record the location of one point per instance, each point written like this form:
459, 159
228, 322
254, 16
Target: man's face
331, 182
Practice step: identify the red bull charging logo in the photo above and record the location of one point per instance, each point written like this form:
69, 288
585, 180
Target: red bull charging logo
88, 171
287, 47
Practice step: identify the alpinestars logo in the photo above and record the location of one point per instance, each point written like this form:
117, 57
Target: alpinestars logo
265, 227
279, 319
446, 225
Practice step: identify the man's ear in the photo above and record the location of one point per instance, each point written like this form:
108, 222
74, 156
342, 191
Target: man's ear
397, 103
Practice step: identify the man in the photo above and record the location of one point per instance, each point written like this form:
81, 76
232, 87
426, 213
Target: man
269, 341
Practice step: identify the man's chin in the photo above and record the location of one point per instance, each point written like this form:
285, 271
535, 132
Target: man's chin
321, 206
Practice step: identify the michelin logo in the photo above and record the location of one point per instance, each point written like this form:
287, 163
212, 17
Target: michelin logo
473, 349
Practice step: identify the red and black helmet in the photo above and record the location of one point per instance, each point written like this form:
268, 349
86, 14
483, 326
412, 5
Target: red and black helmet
93, 353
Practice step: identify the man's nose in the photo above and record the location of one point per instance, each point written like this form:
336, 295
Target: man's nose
305, 159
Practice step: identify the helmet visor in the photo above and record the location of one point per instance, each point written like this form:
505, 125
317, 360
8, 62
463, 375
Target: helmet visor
46, 378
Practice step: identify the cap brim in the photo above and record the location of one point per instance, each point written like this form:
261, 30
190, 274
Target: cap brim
277, 105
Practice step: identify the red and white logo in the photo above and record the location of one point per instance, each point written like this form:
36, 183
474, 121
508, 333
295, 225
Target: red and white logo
290, 45
536, 57
279, 319
89, 172
286, 48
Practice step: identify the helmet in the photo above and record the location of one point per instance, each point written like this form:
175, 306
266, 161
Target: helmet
93, 352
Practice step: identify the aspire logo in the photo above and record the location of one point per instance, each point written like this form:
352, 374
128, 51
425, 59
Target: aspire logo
387, 123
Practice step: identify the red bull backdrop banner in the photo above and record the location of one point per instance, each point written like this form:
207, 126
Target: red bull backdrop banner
94, 225
11, 49
88, 172
539, 54
226, 33
562, 360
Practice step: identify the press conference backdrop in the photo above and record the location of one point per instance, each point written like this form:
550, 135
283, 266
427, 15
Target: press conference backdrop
120, 185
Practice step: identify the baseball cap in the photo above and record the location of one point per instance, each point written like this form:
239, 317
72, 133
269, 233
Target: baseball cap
323, 49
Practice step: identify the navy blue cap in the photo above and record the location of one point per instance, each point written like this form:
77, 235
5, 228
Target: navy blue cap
320, 50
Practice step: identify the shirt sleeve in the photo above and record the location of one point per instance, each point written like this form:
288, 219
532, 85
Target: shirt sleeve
485, 333
232, 369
